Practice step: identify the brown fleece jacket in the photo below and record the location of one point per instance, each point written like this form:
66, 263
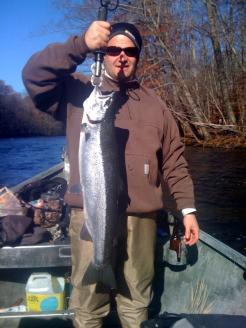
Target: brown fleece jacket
148, 137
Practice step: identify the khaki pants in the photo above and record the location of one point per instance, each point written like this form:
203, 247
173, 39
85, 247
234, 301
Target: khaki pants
134, 269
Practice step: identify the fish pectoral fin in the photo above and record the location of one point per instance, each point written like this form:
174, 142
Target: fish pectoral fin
84, 233
103, 275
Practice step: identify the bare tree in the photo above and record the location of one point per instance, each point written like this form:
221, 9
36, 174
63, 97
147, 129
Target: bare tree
204, 86
222, 80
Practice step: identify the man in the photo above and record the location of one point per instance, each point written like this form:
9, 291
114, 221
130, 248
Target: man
149, 144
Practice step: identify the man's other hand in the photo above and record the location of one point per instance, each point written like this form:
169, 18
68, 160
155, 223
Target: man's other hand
191, 229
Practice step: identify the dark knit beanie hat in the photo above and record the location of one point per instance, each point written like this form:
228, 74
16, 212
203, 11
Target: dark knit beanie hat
128, 30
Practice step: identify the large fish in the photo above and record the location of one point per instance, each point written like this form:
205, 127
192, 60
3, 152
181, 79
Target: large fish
99, 176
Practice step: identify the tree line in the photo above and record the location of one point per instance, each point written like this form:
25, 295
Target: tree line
193, 56
20, 118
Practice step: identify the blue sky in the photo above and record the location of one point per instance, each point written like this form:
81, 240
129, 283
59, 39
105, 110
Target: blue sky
21, 22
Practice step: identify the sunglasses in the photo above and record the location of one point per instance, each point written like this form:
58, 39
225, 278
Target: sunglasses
116, 51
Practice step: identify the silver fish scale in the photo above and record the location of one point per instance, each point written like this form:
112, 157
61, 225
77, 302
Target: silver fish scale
99, 175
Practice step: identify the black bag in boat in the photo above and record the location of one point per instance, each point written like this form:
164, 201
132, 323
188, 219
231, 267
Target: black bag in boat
34, 190
35, 236
165, 320
12, 229
18, 230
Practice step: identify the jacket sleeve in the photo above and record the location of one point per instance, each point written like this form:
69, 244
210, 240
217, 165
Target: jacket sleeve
174, 165
46, 73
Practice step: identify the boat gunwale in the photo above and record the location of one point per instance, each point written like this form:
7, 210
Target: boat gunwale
46, 314
223, 249
52, 171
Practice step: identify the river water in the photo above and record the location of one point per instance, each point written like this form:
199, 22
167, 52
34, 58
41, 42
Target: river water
218, 175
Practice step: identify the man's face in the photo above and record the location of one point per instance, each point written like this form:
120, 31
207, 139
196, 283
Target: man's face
120, 66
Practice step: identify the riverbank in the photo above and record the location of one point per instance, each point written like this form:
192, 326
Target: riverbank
230, 142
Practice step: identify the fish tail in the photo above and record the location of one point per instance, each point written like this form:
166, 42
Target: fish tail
105, 275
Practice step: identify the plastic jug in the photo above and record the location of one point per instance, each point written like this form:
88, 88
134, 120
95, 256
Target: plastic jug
45, 292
